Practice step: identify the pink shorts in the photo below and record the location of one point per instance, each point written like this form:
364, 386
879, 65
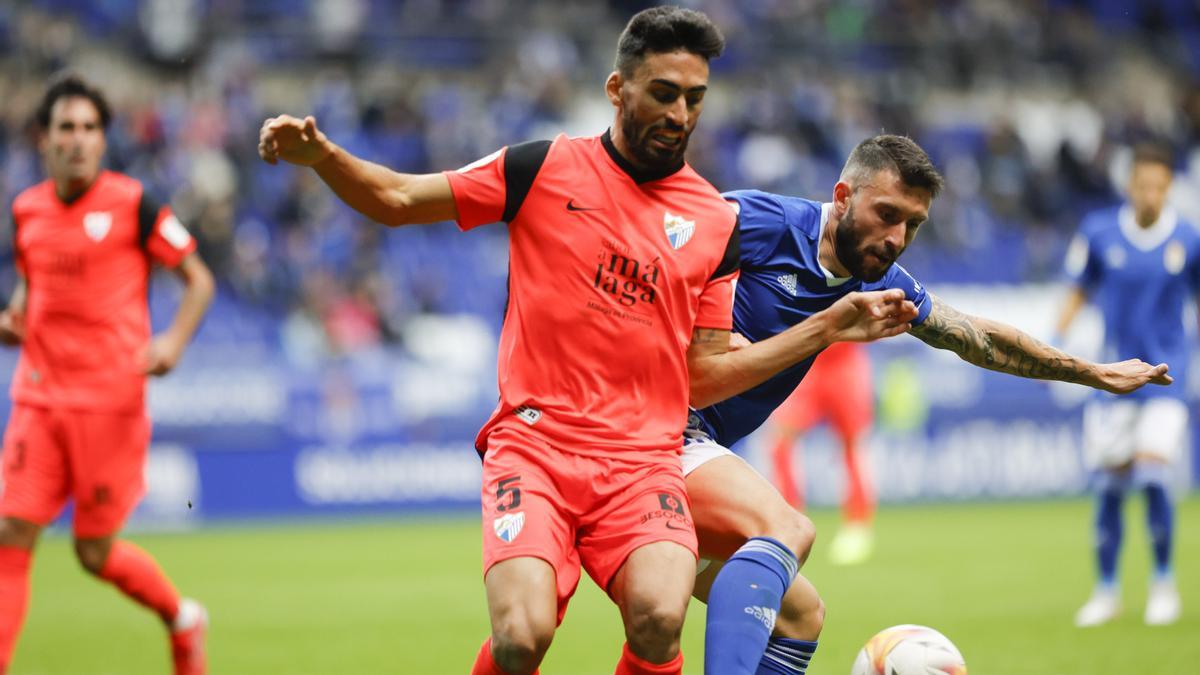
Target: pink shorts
96, 458
569, 509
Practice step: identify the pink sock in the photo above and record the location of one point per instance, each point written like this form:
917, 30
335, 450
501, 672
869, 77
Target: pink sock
135, 573
630, 664
14, 598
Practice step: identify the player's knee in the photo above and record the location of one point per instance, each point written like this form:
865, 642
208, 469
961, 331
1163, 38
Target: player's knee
17, 533
794, 530
653, 628
520, 641
92, 554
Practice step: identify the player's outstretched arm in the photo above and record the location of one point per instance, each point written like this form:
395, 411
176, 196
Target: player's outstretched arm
997, 346
375, 191
12, 319
717, 371
166, 348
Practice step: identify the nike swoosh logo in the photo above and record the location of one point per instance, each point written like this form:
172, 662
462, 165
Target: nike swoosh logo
672, 527
571, 207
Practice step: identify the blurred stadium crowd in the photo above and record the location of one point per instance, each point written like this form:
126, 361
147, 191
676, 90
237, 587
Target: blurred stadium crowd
1028, 107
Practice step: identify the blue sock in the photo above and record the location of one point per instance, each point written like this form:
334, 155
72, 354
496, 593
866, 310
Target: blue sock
786, 656
1110, 499
1160, 513
743, 604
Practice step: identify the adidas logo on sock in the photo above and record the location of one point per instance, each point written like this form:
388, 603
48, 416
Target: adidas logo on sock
764, 614
788, 281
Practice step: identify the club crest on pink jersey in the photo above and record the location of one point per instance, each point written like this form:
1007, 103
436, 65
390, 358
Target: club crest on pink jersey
97, 224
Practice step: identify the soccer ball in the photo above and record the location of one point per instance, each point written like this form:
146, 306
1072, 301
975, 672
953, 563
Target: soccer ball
909, 650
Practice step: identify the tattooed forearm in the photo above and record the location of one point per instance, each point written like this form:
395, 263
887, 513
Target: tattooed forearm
703, 336
997, 346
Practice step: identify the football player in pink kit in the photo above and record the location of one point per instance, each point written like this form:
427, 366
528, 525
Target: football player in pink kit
622, 263
85, 241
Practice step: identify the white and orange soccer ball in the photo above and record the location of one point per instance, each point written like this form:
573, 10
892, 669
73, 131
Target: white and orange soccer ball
909, 650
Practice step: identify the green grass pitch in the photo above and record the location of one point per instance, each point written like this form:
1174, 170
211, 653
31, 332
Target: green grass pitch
405, 596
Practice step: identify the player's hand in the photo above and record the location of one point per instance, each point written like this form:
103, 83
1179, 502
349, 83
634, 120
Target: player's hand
297, 141
12, 327
865, 317
1131, 375
161, 355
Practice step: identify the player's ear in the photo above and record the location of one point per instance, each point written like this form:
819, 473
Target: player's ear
841, 196
612, 88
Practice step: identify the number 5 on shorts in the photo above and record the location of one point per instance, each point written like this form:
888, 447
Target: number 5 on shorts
508, 486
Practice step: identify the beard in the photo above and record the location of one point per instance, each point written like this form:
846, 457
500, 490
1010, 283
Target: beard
646, 154
854, 255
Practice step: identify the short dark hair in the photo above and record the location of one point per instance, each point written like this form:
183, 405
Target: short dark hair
1153, 153
68, 86
896, 153
664, 29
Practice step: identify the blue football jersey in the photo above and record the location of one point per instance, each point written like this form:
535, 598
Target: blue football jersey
1140, 279
781, 284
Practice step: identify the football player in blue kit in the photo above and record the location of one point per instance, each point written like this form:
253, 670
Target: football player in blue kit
1140, 264
798, 257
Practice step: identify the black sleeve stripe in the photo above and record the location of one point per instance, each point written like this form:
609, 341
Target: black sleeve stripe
733, 252
521, 165
148, 210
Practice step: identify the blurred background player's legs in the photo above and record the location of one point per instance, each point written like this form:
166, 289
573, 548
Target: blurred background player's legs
36, 483
1131, 445
791, 420
98, 459
17, 539
837, 389
1162, 435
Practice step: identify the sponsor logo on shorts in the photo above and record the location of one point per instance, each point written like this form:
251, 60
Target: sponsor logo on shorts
509, 525
528, 414
670, 511
764, 614
101, 495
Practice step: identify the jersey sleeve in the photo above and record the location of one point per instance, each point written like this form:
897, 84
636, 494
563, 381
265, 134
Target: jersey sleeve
898, 277
1082, 267
163, 237
716, 300
492, 189
762, 222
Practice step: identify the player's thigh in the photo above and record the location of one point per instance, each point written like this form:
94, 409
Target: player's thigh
526, 516
522, 600
1162, 430
640, 503
731, 502
1109, 433
35, 468
108, 466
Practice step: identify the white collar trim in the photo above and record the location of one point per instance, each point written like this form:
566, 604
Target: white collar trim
1147, 238
830, 280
